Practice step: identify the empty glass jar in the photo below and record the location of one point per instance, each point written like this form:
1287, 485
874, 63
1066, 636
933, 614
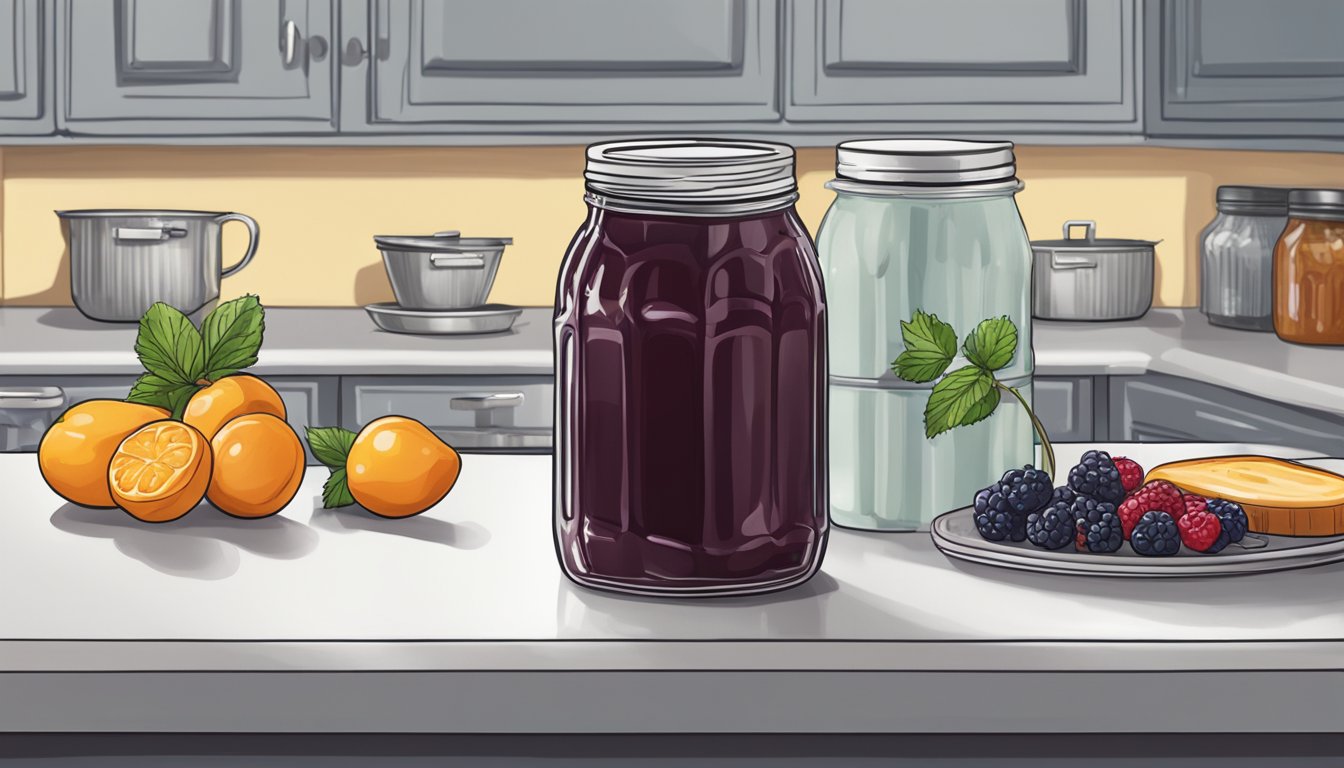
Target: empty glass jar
1236, 253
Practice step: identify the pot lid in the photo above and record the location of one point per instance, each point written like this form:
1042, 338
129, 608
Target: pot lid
1090, 241
140, 213
439, 242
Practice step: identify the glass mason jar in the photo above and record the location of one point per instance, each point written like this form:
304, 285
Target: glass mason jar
1236, 253
1309, 269
690, 332
932, 226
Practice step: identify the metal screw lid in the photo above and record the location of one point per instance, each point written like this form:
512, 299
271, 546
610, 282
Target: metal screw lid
926, 162
1252, 201
692, 177
1316, 204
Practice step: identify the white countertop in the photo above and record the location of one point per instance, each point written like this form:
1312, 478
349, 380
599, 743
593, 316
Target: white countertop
460, 620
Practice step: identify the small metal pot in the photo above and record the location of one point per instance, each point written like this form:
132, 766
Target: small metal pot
1091, 278
122, 261
441, 271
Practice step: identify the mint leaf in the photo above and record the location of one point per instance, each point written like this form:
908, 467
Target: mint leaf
992, 344
169, 346
152, 389
232, 336
336, 491
960, 394
930, 345
330, 445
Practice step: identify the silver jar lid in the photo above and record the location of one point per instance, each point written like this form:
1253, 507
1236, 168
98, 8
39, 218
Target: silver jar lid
1252, 201
692, 177
926, 162
1316, 204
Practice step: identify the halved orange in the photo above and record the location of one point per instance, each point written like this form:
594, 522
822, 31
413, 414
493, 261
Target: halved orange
160, 471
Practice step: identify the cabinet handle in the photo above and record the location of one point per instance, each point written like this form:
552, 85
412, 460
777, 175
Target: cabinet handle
289, 41
354, 53
32, 398
486, 402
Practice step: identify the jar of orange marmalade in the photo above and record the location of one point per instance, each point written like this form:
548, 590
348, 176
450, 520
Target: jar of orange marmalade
1309, 269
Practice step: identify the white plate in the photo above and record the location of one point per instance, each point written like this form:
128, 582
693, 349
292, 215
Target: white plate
954, 533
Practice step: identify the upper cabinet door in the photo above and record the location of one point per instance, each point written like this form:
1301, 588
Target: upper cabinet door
562, 62
25, 55
192, 67
1246, 67
1065, 66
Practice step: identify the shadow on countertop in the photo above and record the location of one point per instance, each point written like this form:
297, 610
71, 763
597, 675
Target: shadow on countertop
428, 529
203, 545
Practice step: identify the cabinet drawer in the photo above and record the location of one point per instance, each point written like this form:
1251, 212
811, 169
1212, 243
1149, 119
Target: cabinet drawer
1065, 406
1168, 409
511, 414
309, 400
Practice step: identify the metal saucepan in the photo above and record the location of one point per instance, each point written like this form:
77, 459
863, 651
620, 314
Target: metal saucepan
441, 271
122, 261
1091, 278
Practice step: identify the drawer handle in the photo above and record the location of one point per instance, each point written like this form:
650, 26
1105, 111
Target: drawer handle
486, 402
32, 397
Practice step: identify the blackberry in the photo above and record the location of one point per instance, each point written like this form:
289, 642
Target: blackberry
1098, 525
1156, 535
1027, 489
1096, 475
1053, 527
1232, 516
995, 518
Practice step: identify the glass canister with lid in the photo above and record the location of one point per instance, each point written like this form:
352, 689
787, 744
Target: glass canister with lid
690, 332
1237, 257
1309, 269
919, 225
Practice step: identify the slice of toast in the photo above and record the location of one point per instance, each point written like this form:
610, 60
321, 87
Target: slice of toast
1280, 497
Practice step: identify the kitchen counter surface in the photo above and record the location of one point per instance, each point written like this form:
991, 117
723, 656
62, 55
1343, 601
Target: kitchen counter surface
1179, 342
459, 620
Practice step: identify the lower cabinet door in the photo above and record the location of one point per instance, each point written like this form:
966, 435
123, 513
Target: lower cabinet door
499, 414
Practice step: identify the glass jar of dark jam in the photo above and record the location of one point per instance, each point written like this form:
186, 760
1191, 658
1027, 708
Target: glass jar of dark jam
690, 333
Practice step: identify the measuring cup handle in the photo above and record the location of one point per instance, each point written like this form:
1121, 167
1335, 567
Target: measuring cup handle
253, 239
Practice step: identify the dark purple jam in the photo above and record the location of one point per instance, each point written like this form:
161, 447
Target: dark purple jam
691, 420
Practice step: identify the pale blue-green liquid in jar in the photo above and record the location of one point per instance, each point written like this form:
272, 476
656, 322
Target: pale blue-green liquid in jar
884, 256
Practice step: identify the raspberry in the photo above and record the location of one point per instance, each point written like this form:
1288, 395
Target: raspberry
1131, 474
1053, 527
1232, 516
1195, 503
1158, 495
1156, 535
1200, 530
1098, 527
1095, 475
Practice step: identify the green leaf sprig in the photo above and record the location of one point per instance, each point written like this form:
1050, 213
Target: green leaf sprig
331, 446
179, 359
970, 393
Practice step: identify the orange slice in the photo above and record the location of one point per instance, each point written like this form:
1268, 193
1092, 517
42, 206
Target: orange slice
160, 471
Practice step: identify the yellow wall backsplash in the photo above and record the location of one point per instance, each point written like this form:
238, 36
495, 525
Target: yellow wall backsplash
319, 207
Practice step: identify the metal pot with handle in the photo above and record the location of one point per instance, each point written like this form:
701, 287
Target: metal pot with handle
1091, 278
122, 261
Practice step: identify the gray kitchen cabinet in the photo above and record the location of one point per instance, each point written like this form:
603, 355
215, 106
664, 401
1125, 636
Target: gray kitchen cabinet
182, 67
1069, 407
457, 65
25, 68
1168, 409
471, 413
309, 400
965, 65
1245, 67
